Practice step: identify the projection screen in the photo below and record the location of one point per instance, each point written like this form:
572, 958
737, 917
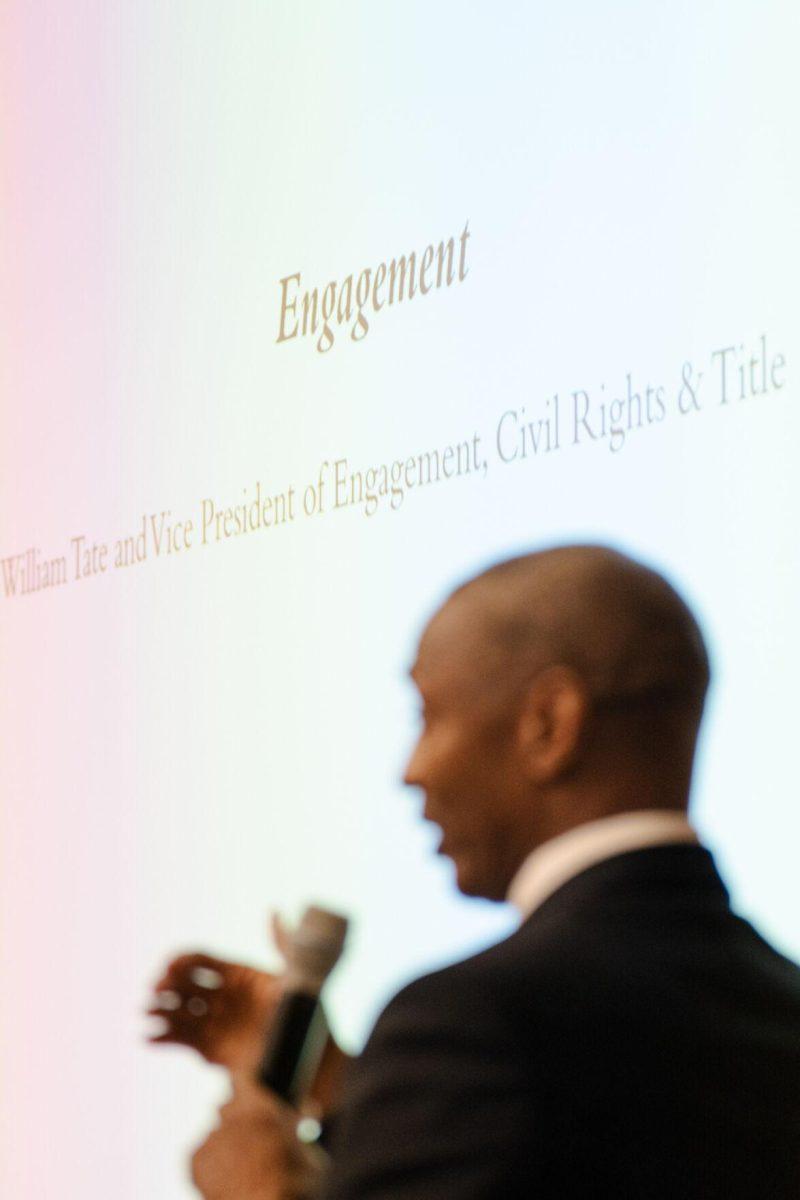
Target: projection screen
309, 312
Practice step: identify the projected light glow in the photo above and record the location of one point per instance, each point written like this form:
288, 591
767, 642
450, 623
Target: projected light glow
228, 509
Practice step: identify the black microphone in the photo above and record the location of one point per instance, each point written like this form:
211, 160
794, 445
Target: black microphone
299, 1032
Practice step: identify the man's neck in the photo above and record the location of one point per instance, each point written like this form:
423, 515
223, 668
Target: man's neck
560, 858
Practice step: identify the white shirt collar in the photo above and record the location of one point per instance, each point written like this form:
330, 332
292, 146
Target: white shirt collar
561, 858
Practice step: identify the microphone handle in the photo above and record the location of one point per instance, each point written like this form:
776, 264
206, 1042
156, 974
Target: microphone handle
284, 1066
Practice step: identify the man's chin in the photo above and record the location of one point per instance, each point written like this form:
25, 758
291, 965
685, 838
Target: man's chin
470, 881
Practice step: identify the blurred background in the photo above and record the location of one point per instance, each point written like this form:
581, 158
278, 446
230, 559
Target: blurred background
195, 739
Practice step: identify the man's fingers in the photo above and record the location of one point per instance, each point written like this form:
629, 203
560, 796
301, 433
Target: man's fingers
251, 1101
178, 1022
254, 1151
166, 1000
193, 1003
170, 1037
194, 1039
181, 1026
202, 970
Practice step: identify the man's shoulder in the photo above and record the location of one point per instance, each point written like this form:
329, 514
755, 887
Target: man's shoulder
486, 990
648, 931
448, 1036
441, 1099
557, 940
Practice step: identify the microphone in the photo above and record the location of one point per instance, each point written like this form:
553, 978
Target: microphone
298, 1033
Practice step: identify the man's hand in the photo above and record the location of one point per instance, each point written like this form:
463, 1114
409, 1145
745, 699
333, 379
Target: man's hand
255, 1154
224, 1011
221, 1009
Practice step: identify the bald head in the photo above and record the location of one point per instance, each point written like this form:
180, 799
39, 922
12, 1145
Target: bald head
619, 625
557, 688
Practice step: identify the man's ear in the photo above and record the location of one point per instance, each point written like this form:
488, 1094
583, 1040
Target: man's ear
551, 723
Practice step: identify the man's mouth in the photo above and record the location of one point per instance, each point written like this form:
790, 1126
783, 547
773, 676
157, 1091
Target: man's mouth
443, 846
446, 847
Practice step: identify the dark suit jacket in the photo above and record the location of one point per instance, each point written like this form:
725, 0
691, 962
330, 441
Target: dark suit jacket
633, 1039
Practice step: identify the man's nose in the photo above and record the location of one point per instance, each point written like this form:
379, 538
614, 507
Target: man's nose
412, 775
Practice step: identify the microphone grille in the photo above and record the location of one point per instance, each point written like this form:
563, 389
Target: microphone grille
316, 945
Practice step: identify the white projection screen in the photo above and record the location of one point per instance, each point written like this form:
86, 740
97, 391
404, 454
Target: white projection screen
309, 312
